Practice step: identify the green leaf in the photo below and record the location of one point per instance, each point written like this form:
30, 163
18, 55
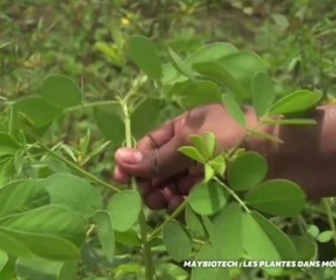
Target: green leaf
61, 92
38, 268
210, 143
278, 197
37, 110
124, 209
74, 192
219, 74
128, 238
170, 76
205, 144
218, 164
180, 65
3, 260
234, 109
51, 220
111, 52
192, 153
198, 93
199, 142
43, 245
226, 236
10, 245
297, 101
22, 195
263, 93
283, 122
145, 55
169, 271
110, 123
281, 241
177, 240
257, 244
144, 117
242, 66
247, 171
209, 173
208, 252
313, 231
69, 270
211, 52
306, 247
207, 199
7, 169
281, 21
325, 236
194, 223
105, 233
8, 145
9, 270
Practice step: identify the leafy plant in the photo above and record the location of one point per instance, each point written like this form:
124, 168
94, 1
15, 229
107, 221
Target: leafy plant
53, 213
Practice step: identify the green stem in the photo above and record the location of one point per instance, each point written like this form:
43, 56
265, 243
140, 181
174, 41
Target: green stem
177, 211
233, 194
147, 252
93, 104
80, 170
331, 221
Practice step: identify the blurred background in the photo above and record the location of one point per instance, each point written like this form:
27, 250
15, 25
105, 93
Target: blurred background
37, 37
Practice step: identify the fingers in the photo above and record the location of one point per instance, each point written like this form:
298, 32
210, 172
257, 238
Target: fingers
156, 163
167, 194
157, 138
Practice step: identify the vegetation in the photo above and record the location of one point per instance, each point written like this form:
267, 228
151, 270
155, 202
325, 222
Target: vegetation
82, 78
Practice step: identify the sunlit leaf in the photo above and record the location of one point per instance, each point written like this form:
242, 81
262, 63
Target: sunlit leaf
192, 153
262, 93
234, 109
296, 101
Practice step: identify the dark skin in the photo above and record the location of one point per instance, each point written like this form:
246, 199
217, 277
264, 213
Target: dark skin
165, 176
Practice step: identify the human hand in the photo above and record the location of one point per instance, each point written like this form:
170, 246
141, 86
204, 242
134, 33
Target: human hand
165, 175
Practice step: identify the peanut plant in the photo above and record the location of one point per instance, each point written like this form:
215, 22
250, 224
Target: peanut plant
60, 221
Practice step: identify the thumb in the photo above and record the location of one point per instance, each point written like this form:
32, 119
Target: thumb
160, 163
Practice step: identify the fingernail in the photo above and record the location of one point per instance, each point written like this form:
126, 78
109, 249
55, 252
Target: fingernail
129, 156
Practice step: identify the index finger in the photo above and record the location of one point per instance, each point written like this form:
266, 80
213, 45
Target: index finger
158, 137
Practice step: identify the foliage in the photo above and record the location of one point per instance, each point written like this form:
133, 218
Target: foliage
76, 85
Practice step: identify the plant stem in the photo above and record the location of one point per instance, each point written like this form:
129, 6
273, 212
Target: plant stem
147, 252
177, 211
80, 170
327, 206
233, 194
92, 104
